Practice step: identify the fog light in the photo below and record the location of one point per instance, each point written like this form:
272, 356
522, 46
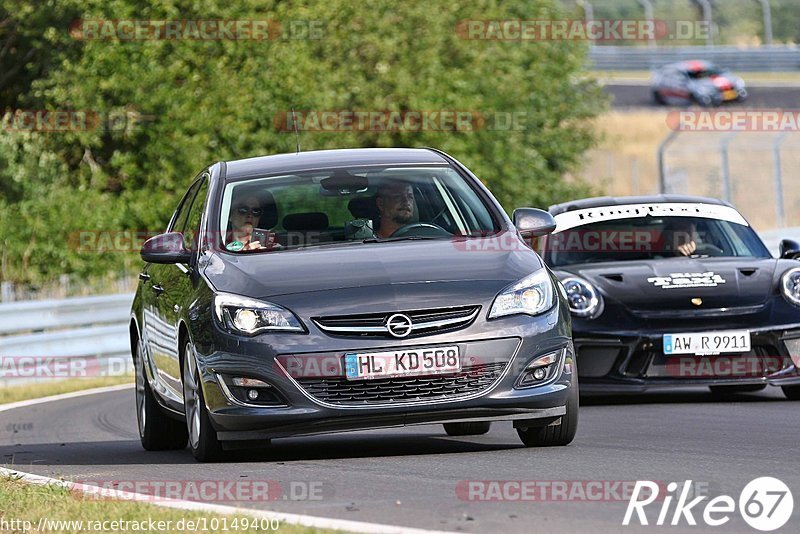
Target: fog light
541, 369
249, 382
793, 346
252, 394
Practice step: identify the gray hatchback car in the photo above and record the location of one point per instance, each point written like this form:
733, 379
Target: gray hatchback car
344, 290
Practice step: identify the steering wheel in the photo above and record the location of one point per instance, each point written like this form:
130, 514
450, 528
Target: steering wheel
708, 249
421, 229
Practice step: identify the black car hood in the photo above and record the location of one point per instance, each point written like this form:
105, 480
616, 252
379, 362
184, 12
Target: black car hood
673, 283
269, 274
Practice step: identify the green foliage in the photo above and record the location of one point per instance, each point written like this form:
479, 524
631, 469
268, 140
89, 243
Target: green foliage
193, 102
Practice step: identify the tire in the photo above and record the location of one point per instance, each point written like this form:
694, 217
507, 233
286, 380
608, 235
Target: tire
477, 428
704, 100
791, 392
658, 98
157, 431
202, 436
558, 435
724, 391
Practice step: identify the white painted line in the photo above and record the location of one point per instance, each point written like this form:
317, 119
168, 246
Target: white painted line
63, 396
292, 519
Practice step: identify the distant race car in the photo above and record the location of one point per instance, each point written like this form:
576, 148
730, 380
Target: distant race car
696, 81
676, 290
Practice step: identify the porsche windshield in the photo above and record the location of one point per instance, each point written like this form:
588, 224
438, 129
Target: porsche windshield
648, 238
360, 204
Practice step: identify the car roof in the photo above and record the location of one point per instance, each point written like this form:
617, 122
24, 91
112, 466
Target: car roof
596, 202
690, 65
327, 159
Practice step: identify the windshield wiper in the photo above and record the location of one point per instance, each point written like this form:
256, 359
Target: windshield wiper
403, 238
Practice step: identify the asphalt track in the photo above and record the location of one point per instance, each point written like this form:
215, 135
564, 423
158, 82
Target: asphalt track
409, 476
637, 95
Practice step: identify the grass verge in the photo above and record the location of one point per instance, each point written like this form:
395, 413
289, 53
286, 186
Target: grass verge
37, 390
25, 507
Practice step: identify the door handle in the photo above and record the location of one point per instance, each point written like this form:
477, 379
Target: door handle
158, 289
144, 277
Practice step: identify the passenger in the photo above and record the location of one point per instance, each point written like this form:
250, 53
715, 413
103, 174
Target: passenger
246, 212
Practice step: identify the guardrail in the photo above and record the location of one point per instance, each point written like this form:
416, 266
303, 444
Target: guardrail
67, 338
763, 58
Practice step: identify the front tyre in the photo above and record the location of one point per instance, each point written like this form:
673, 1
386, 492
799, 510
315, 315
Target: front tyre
157, 431
477, 428
555, 435
791, 392
202, 436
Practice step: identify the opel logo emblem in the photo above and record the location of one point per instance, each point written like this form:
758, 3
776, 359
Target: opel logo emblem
399, 325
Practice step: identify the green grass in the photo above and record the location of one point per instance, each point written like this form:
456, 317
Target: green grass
20, 502
45, 389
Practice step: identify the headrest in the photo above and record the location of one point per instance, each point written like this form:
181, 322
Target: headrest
305, 222
363, 208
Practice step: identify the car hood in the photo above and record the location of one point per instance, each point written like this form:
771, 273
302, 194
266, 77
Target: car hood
263, 275
673, 283
720, 82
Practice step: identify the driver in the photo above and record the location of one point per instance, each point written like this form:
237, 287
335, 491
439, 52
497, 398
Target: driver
684, 236
395, 202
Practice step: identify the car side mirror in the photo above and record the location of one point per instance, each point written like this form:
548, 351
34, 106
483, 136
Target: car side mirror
165, 248
789, 249
532, 222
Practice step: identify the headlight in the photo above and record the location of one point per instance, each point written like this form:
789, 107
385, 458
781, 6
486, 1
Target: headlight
531, 295
790, 285
584, 300
248, 316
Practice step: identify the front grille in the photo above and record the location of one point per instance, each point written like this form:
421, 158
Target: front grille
383, 391
698, 313
423, 322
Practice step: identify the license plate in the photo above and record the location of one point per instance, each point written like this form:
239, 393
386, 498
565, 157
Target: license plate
403, 362
706, 343
730, 94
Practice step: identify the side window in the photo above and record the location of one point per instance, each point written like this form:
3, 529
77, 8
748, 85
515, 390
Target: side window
178, 221
192, 228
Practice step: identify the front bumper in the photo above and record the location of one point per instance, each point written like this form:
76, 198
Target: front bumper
632, 362
513, 341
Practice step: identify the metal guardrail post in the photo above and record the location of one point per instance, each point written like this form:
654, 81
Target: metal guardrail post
662, 166
705, 5
648, 15
726, 171
588, 14
777, 177
767, 13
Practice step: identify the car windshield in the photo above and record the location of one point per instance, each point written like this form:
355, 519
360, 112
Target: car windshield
351, 205
651, 238
704, 73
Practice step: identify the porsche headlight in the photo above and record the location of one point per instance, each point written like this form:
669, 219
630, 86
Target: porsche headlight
584, 300
532, 295
248, 316
790, 285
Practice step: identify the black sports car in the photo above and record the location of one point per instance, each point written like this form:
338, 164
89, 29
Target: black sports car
336, 290
676, 290
696, 81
